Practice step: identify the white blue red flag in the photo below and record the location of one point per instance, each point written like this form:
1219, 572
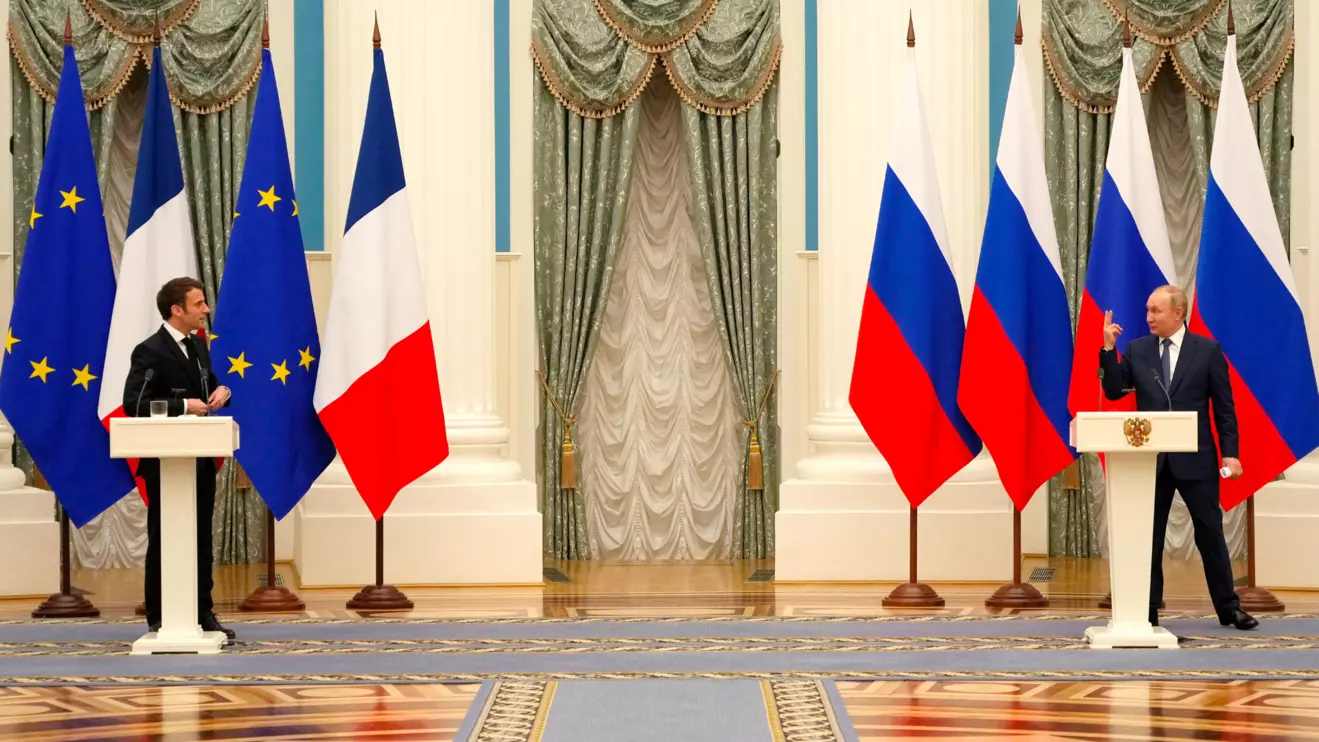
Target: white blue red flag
1016, 362
1245, 298
909, 345
1130, 255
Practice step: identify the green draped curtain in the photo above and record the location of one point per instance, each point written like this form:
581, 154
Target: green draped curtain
594, 59
212, 55
1082, 44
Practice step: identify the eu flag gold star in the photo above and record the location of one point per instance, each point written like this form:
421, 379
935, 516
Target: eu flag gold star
83, 377
295, 208
239, 365
40, 370
9, 341
32, 220
71, 199
236, 215
281, 372
268, 198
307, 358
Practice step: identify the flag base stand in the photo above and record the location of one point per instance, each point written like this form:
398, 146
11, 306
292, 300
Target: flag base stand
270, 597
1253, 598
1017, 595
1259, 600
913, 595
380, 598
65, 604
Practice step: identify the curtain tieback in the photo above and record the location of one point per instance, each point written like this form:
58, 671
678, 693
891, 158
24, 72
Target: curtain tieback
568, 456
755, 459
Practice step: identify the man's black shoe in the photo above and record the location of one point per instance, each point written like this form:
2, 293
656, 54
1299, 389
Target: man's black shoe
1239, 619
1154, 618
211, 623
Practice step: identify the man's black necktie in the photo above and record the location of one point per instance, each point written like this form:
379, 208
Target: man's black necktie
1167, 362
190, 350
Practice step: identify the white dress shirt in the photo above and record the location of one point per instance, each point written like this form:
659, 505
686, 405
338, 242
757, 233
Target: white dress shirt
178, 340
1175, 350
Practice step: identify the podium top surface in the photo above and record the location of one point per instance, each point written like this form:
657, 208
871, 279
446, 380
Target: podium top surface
186, 436
1136, 432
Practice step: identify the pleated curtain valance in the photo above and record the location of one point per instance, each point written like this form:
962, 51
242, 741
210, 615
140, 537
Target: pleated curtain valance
211, 48
596, 56
1082, 42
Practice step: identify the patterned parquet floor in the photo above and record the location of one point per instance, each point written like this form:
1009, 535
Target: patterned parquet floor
935, 710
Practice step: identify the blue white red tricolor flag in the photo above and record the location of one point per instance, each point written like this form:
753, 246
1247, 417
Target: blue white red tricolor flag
159, 245
378, 391
1245, 298
909, 345
1130, 255
1016, 362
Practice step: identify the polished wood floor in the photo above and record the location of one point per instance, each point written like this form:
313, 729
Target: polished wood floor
946, 711
679, 588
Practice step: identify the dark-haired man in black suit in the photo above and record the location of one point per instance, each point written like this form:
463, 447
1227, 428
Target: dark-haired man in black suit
180, 366
1172, 369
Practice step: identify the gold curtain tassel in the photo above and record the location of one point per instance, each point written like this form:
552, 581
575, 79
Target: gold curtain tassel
755, 462
241, 480
568, 462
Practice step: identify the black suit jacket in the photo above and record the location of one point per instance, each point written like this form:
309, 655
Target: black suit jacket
1199, 378
176, 379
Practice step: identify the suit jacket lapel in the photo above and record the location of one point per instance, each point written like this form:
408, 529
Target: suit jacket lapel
1190, 346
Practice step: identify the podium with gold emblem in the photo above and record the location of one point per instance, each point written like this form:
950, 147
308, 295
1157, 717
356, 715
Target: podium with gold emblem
1131, 443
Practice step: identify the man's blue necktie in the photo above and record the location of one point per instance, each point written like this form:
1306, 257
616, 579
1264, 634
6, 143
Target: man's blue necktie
1167, 362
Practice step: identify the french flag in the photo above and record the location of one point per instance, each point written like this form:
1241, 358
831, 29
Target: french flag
909, 346
378, 392
1016, 363
1245, 298
159, 244
1130, 255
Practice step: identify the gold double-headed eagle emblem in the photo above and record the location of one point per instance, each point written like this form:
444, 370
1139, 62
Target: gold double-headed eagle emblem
1137, 430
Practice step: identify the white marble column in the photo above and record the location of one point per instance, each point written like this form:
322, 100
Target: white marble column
1287, 513
842, 517
473, 519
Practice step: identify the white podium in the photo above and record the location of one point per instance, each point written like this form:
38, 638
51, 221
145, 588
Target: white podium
178, 442
1131, 443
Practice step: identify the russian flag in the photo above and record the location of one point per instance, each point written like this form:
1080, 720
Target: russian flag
159, 244
909, 346
1130, 255
1245, 298
378, 392
1016, 362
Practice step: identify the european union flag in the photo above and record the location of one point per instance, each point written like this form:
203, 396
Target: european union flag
264, 343
55, 347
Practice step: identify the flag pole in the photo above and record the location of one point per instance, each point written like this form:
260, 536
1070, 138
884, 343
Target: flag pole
1017, 594
913, 594
1255, 598
380, 597
65, 604
271, 597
